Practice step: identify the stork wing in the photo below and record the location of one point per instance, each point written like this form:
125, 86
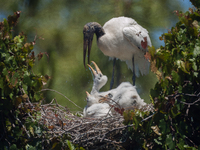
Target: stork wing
137, 36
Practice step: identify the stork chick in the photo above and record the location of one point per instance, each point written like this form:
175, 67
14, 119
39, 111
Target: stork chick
125, 95
99, 80
94, 109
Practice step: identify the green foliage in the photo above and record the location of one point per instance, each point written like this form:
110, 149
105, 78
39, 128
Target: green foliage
175, 123
176, 95
61, 23
18, 87
139, 129
195, 3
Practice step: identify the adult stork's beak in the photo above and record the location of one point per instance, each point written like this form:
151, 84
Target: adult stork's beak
88, 33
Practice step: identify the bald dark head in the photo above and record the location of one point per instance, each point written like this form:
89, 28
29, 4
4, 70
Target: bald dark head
88, 33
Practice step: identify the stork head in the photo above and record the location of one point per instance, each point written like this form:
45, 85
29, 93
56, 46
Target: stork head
91, 99
88, 33
99, 79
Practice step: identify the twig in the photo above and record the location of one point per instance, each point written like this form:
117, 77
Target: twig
124, 127
22, 126
148, 117
187, 111
191, 142
62, 95
107, 99
190, 103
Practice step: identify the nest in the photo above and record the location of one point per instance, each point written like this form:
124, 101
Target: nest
90, 133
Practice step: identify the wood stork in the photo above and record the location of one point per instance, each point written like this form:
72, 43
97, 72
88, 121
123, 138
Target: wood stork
95, 109
125, 95
121, 38
99, 79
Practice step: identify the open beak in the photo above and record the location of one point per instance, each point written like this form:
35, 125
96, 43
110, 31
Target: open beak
87, 93
88, 37
98, 71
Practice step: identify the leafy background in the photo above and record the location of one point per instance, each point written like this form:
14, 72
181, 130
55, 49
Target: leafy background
176, 95
59, 25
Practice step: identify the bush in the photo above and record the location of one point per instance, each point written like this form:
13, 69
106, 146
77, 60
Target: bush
177, 94
19, 86
175, 124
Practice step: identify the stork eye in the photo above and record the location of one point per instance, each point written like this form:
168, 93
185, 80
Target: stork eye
110, 95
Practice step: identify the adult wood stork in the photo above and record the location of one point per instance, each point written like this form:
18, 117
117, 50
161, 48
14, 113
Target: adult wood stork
121, 38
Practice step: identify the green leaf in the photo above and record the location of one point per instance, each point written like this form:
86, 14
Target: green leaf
181, 65
180, 88
175, 76
54, 145
180, 144
162, 126
196, 51
1, 82
194, 66
5, 72
30, 147
152, 50
175, 112
195, 74
70, 145
169, 141
13, 147
158, 142
27, 78
38, 130
135, 122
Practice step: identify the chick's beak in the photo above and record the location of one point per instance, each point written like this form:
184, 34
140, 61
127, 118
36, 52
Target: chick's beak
87, 93
98, 71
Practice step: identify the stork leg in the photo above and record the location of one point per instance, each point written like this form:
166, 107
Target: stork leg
112, 80
133, 78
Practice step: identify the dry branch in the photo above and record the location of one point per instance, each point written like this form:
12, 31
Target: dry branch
86, 132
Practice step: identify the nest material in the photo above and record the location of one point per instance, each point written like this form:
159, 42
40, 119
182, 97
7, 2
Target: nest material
90, 133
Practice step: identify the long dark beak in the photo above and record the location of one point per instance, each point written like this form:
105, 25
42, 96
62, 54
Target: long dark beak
88, 37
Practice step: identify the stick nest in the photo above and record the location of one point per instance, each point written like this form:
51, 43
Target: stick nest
90, 133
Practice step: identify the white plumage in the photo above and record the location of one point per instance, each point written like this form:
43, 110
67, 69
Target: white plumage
94, 109
121, 38
125, 95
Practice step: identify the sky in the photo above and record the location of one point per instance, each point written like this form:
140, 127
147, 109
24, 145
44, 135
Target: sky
186, 4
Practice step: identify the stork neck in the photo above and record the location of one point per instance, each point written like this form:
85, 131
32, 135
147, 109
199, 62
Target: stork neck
95, 89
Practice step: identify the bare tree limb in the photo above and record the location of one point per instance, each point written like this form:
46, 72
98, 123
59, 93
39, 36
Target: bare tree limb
63, 96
